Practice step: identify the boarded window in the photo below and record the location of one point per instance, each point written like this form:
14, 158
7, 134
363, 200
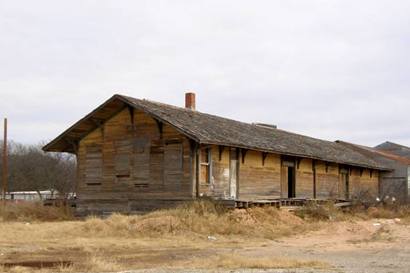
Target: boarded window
205, 165
122, 160
156, 164
344, 184
173, 164
141, 167
93, 165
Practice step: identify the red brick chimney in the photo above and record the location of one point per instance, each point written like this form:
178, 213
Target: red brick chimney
190, 100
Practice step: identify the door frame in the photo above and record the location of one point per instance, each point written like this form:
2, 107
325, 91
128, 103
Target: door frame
288, 163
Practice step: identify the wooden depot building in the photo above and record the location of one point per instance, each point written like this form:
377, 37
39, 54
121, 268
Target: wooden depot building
136, 155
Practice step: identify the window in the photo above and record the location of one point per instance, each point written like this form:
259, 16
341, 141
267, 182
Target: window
93, 165
122, 160
141, 168
205, 165
173, 165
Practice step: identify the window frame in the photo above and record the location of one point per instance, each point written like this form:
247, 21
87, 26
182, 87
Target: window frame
207, 164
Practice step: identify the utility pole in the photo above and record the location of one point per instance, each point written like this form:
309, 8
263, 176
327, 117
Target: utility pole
5, 161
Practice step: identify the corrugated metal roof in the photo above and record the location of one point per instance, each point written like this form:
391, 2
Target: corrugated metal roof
393, 148
383, 157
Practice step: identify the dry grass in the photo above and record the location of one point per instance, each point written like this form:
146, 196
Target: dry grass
223, 261
29, 211
380, 212
389, 213
324, 212
94, 263
200, 218
173, 238
146, 241
239, 261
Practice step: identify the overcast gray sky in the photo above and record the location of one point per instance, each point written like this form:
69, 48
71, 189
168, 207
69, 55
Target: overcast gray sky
326, 68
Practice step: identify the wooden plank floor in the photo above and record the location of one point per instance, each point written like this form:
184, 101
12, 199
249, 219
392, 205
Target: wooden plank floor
278, 203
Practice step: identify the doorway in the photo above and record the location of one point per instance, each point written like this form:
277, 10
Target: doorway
288, 178
291, 182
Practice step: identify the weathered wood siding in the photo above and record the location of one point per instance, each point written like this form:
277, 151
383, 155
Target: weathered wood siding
327, 180
269, 179
217, 185
304, 178
258, 179
129, 159
364, 183
133, 162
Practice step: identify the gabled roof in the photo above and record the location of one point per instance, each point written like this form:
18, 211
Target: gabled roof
211, 129
393, 148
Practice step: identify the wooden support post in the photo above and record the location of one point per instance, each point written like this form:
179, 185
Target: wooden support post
5, 161
197, 169
314, 178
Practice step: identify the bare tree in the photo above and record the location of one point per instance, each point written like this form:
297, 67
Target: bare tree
30, 169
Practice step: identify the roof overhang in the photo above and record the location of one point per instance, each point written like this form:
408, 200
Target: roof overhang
68, 140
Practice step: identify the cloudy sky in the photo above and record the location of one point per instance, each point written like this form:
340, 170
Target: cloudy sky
326, 68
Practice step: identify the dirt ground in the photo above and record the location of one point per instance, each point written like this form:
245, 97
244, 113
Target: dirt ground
367, 246
376, 246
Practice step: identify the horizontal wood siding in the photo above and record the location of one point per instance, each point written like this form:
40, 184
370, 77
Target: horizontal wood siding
218, 185
327, 180
304, 178
130, 160
258, 180
138, 161
364, 183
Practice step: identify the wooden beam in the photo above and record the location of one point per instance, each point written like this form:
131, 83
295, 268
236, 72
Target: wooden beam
98, 123
160, 126
298, 160
197, 170
221, 150
74, 144
314, 178
243, 154
264, 155
132, 114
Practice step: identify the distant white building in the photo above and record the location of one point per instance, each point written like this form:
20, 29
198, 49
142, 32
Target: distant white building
31, 195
